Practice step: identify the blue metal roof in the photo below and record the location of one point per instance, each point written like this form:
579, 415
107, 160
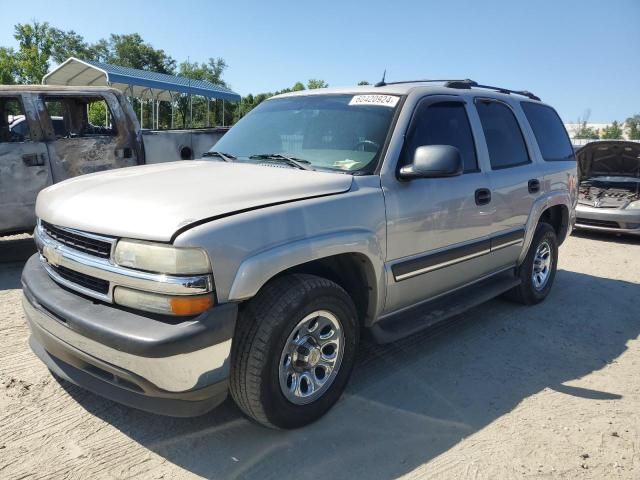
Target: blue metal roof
140, 83
162, 81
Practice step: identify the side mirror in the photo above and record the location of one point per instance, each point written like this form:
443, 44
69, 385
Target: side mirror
433, 161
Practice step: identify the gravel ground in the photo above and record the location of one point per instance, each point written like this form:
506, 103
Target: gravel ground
551, 391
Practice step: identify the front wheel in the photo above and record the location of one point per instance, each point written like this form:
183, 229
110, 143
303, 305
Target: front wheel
538, 270
293, 350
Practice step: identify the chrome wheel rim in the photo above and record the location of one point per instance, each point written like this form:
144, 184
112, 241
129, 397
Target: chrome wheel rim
311, 357
542, 262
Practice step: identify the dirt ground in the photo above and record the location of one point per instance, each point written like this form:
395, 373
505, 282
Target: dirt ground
551, 391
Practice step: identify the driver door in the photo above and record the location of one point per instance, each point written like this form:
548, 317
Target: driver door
438, 229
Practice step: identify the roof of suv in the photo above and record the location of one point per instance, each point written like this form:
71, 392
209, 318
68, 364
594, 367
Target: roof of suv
450, 87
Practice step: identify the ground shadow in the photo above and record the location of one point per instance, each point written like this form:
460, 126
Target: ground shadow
411, 400
16, 249
13, 253
10, 275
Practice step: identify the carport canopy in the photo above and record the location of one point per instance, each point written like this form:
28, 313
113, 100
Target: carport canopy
133, 82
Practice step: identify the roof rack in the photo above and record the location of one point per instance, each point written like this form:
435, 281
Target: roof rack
465, 84
383, 83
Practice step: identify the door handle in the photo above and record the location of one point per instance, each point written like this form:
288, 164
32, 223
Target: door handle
33, 159
483, 196
534, 185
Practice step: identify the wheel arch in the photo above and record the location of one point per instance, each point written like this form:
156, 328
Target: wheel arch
558, 217
552, 209
350, 259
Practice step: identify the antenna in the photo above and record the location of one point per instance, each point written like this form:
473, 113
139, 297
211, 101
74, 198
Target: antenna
382, 83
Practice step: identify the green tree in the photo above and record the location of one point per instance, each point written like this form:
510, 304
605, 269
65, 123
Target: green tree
35, 45
363, 82
98, 113
130, 50
633, 127
586, 132
8, 66
71, 44
212, 72
314, 83
298, 86
613, 131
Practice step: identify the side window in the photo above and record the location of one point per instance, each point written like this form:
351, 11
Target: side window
444, 123
80, 117
14, 126
503, 135
549, 131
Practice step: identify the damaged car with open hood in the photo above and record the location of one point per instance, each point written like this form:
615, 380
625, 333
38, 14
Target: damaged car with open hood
609, 191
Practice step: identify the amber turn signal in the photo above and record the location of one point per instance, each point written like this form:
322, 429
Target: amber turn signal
189, 305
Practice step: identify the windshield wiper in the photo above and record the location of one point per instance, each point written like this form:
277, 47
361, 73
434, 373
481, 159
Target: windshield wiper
227, 157
296, 162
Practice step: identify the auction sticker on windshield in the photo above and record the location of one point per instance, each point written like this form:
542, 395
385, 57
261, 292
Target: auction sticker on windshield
380, 100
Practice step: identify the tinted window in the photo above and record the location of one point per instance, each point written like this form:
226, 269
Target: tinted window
549, 131
443, 123
503, 135
13, 123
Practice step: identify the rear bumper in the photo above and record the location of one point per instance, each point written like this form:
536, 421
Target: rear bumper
173, 369
608, 219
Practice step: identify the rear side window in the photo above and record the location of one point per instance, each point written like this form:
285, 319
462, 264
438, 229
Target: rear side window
502, 133
549, 131
444, 123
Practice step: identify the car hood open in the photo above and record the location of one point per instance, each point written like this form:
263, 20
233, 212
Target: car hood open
153, 202
609, 159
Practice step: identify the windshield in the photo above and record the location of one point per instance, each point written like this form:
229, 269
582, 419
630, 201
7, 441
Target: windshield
338, 132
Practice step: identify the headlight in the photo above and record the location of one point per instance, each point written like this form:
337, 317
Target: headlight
634, 205
181, 305
161, 258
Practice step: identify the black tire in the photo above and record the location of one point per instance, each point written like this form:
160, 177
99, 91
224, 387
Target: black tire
264, 325
527, 293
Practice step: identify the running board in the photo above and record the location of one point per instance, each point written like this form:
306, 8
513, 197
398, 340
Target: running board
427, 314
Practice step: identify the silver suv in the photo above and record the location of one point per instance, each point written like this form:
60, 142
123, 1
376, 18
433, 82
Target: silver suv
321, 217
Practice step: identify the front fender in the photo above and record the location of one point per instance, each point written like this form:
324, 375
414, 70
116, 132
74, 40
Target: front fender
258, 269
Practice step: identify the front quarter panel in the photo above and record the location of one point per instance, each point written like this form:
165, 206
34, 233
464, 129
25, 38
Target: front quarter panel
248, 249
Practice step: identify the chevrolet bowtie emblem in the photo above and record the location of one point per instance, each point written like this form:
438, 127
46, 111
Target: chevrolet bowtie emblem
52, 254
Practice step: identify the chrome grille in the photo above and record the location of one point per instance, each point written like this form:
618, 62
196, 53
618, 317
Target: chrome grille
86, 281
78, 240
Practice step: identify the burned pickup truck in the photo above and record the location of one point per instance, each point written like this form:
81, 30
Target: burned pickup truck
609, 193
51, 133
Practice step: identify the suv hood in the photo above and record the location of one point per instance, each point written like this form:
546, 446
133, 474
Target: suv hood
152, 202
609, 159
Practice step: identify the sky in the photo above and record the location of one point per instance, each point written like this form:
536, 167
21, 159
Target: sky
579, 56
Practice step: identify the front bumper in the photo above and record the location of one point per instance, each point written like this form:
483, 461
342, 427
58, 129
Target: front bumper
141, 360
608, 219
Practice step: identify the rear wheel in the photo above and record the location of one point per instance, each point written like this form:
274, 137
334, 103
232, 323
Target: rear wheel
293, 350
538, 270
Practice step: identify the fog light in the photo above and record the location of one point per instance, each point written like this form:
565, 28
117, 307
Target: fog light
163, 304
